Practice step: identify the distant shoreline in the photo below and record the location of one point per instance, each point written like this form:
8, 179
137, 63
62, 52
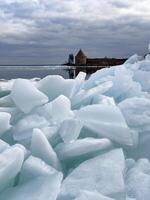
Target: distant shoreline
31, 65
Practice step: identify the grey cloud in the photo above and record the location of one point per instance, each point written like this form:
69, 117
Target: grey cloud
47, 37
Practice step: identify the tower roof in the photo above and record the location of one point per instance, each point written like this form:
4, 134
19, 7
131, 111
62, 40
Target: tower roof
80, 53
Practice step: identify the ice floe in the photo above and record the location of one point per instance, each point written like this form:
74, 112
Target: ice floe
77, 139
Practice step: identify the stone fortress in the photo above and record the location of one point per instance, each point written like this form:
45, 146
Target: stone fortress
82, 60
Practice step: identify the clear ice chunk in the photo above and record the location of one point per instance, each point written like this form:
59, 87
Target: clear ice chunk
54, 86
40, 147
4, 122
106, 121
70, 129
26, 96
104, 172
11, 161
3, 145
94, 195
24, 127
82, 148
138, 180
61, 109
41, 188
34, 167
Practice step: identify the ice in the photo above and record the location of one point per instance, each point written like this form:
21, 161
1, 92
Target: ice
3, 145
70, 129
52, 134
102, 99
11, 110
133, 59
40, 147
87, 195
106, 121
11, 161
45, 111
54, 86
5, 87
147, 57
103, 173
123, 85
61, 108
81, 139
137, 113
6, 101
41, 188
34, 167
56, 110
82, 148
144, 65
4, 122
138, 180
26, 96
79, 81
143, 78
84, 97
101, 76
49, 131
24, 127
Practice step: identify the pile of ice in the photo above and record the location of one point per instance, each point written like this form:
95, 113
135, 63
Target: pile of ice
77, 139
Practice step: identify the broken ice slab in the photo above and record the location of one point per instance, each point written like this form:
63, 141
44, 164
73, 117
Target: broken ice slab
41, 188
26, 96
105, 74
102, 99
133, 59
142, 76
70, 129
44, 111
55, 111
3, 145
11, 161
61, 109
94, 195
5, 87
103, 173
6, 101
55, 85
4, 122
51, 133
138, 180
24, 127
123, 85
106, 121
85, 97
82, 148
136, 111
40, 147
34, 167
79, 81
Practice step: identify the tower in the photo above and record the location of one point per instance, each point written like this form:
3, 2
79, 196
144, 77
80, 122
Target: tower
71, 59
80, 58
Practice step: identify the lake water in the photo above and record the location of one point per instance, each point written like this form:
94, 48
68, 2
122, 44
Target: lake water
12, 72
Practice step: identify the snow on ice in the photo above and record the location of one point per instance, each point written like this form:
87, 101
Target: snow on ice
77, 139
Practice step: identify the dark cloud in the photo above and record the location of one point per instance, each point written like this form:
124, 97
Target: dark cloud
39, 32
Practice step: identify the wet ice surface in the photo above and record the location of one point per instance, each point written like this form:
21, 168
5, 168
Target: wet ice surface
63, 139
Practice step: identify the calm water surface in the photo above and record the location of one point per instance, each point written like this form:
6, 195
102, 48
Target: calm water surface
11, 72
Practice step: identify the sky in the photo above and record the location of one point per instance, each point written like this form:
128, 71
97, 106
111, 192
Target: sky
46, 31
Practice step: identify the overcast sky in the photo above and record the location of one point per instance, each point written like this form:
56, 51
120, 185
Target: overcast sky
46, 31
